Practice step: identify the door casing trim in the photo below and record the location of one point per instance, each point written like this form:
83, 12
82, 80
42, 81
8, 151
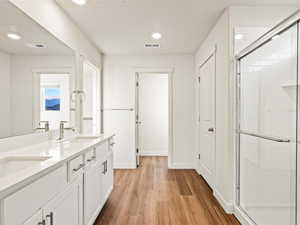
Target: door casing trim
170, 72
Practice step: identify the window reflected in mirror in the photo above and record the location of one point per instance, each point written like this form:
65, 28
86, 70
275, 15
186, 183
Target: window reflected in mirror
51, 98
54, 98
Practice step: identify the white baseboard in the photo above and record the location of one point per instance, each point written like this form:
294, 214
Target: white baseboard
154, 153
227, 206
242, 217
124, 166
182, 166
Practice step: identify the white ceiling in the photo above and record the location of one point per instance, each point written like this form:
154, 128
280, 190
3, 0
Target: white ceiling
124, 26
13, 20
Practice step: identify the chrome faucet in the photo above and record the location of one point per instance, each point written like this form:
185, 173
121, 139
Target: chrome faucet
45, 128
62, 129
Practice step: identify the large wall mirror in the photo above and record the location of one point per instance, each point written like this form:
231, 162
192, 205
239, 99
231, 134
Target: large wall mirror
37, 76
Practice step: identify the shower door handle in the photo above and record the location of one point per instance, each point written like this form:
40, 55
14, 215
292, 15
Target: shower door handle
265, 137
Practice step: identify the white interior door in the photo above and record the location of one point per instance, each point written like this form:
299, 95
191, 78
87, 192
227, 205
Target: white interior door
207, 120
137, 122
153, 111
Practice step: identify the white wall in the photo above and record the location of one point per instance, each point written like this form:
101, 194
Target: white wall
50, 16
119, 91
222, 36
22, 88
5, 94
153, 114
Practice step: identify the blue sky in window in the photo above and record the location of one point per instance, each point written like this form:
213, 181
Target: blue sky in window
52, 99
52, 92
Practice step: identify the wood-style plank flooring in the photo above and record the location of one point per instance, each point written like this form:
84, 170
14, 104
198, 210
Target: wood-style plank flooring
154, 195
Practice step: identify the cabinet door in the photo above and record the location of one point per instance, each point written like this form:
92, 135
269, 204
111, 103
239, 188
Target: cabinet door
36, 219
66, 209
110, 173
108, 176
92, 195
102, 177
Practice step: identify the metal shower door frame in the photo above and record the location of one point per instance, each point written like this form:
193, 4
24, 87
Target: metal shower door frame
293, 20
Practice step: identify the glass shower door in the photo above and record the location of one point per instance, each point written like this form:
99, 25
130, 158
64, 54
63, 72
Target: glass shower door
267, 137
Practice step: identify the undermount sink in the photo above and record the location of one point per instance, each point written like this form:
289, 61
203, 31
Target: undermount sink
82, 139
13, 164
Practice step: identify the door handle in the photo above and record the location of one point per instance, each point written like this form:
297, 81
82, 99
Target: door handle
103, 168
79, 167
264, 137
42, 223
51, 218
211, 129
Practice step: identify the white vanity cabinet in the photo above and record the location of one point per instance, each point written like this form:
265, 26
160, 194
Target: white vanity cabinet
107, 178
92, 193
21, 205
66, 208
98, 182
72, 194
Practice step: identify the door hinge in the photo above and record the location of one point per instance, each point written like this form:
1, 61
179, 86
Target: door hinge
137, 151
239, 79
199, 156
137, 84
199, 80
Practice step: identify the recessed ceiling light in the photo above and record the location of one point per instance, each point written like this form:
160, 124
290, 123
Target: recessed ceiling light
79, 2
14, 36
156, 36
238, 36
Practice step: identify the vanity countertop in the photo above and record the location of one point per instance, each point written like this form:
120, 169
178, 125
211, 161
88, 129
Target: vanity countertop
40, 159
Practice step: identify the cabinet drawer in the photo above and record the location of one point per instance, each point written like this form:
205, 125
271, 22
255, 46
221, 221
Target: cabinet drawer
76, 166
20, 206
90, 157
102, 150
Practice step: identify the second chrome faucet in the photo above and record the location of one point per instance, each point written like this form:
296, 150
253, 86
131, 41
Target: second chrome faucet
62, 129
